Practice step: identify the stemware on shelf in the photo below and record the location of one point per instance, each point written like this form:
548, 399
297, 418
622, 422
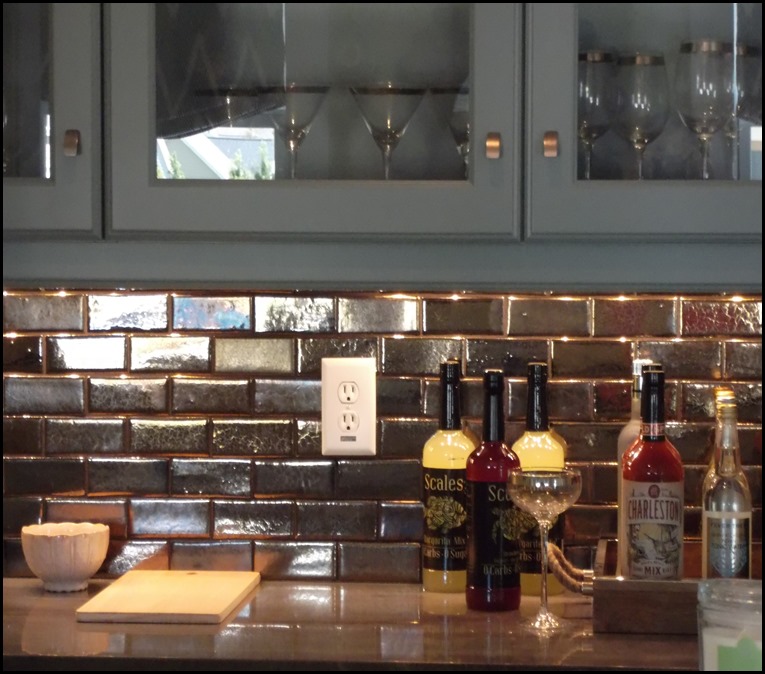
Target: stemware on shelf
642, 101
453, 104
703, 92
387, 110
292, 119
744, 62
544, 494
595, 100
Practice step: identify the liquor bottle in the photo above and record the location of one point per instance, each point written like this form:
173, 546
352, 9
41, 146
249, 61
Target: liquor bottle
726, 506
493, 571
627, 436
653, 492
444, 456
539, 447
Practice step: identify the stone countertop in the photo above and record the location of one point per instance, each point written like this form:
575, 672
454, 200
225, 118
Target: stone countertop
324, 626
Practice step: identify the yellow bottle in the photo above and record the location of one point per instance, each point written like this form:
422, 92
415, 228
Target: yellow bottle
541, 448
444, 456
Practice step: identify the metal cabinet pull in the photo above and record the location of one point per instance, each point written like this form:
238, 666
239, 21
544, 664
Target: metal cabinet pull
493, 145
71, 142
550, 144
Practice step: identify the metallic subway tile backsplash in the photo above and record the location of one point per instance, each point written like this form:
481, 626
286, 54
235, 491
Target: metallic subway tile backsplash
189, 422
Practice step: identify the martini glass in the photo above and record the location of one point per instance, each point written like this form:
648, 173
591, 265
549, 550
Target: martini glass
293, 118
544, 494
453, 104
387, 110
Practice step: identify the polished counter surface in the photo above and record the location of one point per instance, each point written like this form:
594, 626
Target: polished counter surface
324, 626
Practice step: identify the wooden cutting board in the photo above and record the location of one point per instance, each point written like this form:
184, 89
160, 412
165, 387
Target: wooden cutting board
204, 597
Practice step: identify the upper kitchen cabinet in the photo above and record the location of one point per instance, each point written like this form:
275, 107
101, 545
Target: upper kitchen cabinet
644, 121
51, 120
328, 120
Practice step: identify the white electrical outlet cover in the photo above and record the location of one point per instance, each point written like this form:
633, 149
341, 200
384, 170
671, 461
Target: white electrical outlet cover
348, 407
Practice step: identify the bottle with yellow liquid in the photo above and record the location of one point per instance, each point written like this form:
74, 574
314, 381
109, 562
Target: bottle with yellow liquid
539, 447
444, 456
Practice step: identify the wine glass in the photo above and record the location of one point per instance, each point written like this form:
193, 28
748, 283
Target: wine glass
544, 494
293, 118
743, 66
387, 110
702, 94
454, 105
595, 90
642, 101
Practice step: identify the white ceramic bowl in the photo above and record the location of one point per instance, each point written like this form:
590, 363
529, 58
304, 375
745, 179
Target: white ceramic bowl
64, 555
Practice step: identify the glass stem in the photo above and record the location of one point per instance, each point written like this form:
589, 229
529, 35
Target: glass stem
387, 153
587, 160
704, 157
639, 150
543, 536
293, 150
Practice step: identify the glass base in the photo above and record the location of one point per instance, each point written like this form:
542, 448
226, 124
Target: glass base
544, 622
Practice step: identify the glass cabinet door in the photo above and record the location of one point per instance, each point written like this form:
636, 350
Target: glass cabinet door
51, 113
329, 119
656, 112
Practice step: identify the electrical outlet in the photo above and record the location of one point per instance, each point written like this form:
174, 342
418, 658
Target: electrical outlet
348, 406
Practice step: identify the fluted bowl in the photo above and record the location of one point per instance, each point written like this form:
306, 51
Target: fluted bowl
64, 555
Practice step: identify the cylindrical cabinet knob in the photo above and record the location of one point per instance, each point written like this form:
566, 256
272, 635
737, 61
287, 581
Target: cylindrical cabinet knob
550, 144
493, 145
71, 142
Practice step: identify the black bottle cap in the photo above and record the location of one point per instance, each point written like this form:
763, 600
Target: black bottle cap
494, 381
450, 371
537, 370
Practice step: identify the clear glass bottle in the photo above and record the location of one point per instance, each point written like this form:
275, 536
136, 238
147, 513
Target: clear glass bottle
540, 447
654, 492
493, 569
444, 457
627, 436
726, 516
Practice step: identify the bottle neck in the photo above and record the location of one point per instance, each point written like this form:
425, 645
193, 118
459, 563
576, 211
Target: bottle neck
493, 417
635, 397
450, 419
652, 409
536, 406
727, 457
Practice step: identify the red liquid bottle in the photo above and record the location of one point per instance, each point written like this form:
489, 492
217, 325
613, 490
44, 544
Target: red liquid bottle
493, 565
653, 492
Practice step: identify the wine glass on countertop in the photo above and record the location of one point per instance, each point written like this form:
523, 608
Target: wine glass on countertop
595, 100
387, 109
544, 494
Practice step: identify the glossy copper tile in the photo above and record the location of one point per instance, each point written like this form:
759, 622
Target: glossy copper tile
698, 402
693, 441
612, 401
590, 442
336, 520
251, 437
722, 317
743, 360
395, 479
754, 478
85, 353
510, 355
463, 316
168, 436
398, 397
22, 436
294, 314
686, 359
261, 355
604, 485
404, 438
378, 315
44, 477
307, 479
211, 313
750, 441
308, 438
282, 560
127, 312
128, 476
18, 511
566, 401
210, 396
635, 317
145, 555
278, 396
43, 395
217, 477
550, 317
173, 354
211, 555
112, 512
401, 521
312, 350
379, 562
585, 360
128, 395
588, 524
43, 312
84, 436
472, 399
167, 517
261, 519
418, 356
22, 354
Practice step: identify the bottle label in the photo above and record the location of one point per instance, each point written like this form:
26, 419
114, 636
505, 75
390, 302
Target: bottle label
444, 540
494, 525
653, 526
726, 544
652, 432
530, 542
